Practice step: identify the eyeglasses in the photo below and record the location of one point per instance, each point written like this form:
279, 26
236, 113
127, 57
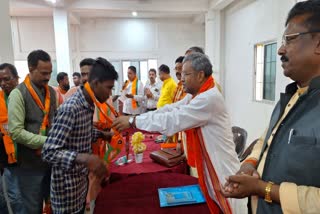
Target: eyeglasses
286, 39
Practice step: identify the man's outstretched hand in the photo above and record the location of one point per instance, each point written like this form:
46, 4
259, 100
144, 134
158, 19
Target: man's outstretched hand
121, 123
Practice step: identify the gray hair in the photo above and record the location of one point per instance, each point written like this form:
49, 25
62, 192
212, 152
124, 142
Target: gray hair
196, 49
200, 62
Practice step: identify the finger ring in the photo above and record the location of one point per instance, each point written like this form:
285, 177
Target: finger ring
242, 173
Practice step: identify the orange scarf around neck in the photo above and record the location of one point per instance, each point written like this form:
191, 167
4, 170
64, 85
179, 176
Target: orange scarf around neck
8, 143
116, 143
134, 91
179, 93
196, 159
45, 108
102, 107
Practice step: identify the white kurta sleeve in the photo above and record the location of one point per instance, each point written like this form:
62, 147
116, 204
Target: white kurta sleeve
177, 117
140, 97
170, 107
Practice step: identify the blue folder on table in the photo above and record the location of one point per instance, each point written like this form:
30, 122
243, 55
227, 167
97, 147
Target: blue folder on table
174, 196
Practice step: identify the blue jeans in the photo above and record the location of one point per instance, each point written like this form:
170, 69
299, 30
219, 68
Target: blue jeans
13, 191
3, 203
34, 188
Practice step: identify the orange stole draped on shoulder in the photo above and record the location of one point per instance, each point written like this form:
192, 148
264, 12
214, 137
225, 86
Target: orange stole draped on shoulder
99, 147
179, 93
192, 138
8, 143
116, 143
195, 153
201, 156
134, 91
45, 108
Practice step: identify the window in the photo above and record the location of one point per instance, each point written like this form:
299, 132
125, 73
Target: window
265, 71
22, 68
117, 67
53, 78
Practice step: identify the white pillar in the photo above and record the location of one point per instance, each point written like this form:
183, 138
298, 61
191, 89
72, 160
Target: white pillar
209, 28
6, 46
61, 33
214, 42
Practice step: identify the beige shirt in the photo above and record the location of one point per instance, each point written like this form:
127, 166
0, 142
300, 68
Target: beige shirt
293, 198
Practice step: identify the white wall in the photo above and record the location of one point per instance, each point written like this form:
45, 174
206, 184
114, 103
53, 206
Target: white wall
162, 39
6, 50
248, 22
114, 39
31, 33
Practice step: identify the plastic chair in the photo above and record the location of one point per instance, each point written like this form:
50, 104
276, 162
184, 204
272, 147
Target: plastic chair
248, 151
239, 138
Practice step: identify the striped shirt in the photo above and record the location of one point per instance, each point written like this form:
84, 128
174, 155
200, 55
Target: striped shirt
72, 132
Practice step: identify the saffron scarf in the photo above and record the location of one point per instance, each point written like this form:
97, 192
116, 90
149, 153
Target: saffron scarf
8, 143
197, 155
116, 143
191, 136
134, 91
179, 93
45, 108
201, 157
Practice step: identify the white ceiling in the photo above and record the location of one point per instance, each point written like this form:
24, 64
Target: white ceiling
194, 9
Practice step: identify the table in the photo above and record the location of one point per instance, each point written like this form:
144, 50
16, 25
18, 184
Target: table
147, 166
139, 194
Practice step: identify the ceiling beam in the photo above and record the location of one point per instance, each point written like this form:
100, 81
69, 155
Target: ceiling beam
220, 4
145, 5
28, 4
110, 8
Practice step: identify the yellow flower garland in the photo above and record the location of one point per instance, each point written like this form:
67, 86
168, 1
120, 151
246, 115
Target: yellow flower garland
136, 142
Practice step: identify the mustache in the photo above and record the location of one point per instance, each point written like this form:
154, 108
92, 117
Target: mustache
284, 58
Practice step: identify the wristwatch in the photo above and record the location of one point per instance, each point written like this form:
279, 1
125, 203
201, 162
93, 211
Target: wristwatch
132, 121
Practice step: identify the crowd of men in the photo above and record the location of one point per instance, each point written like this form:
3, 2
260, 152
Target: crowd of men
48, 134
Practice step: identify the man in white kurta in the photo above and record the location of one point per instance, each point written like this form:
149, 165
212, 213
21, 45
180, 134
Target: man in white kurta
127, 96
205, 110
